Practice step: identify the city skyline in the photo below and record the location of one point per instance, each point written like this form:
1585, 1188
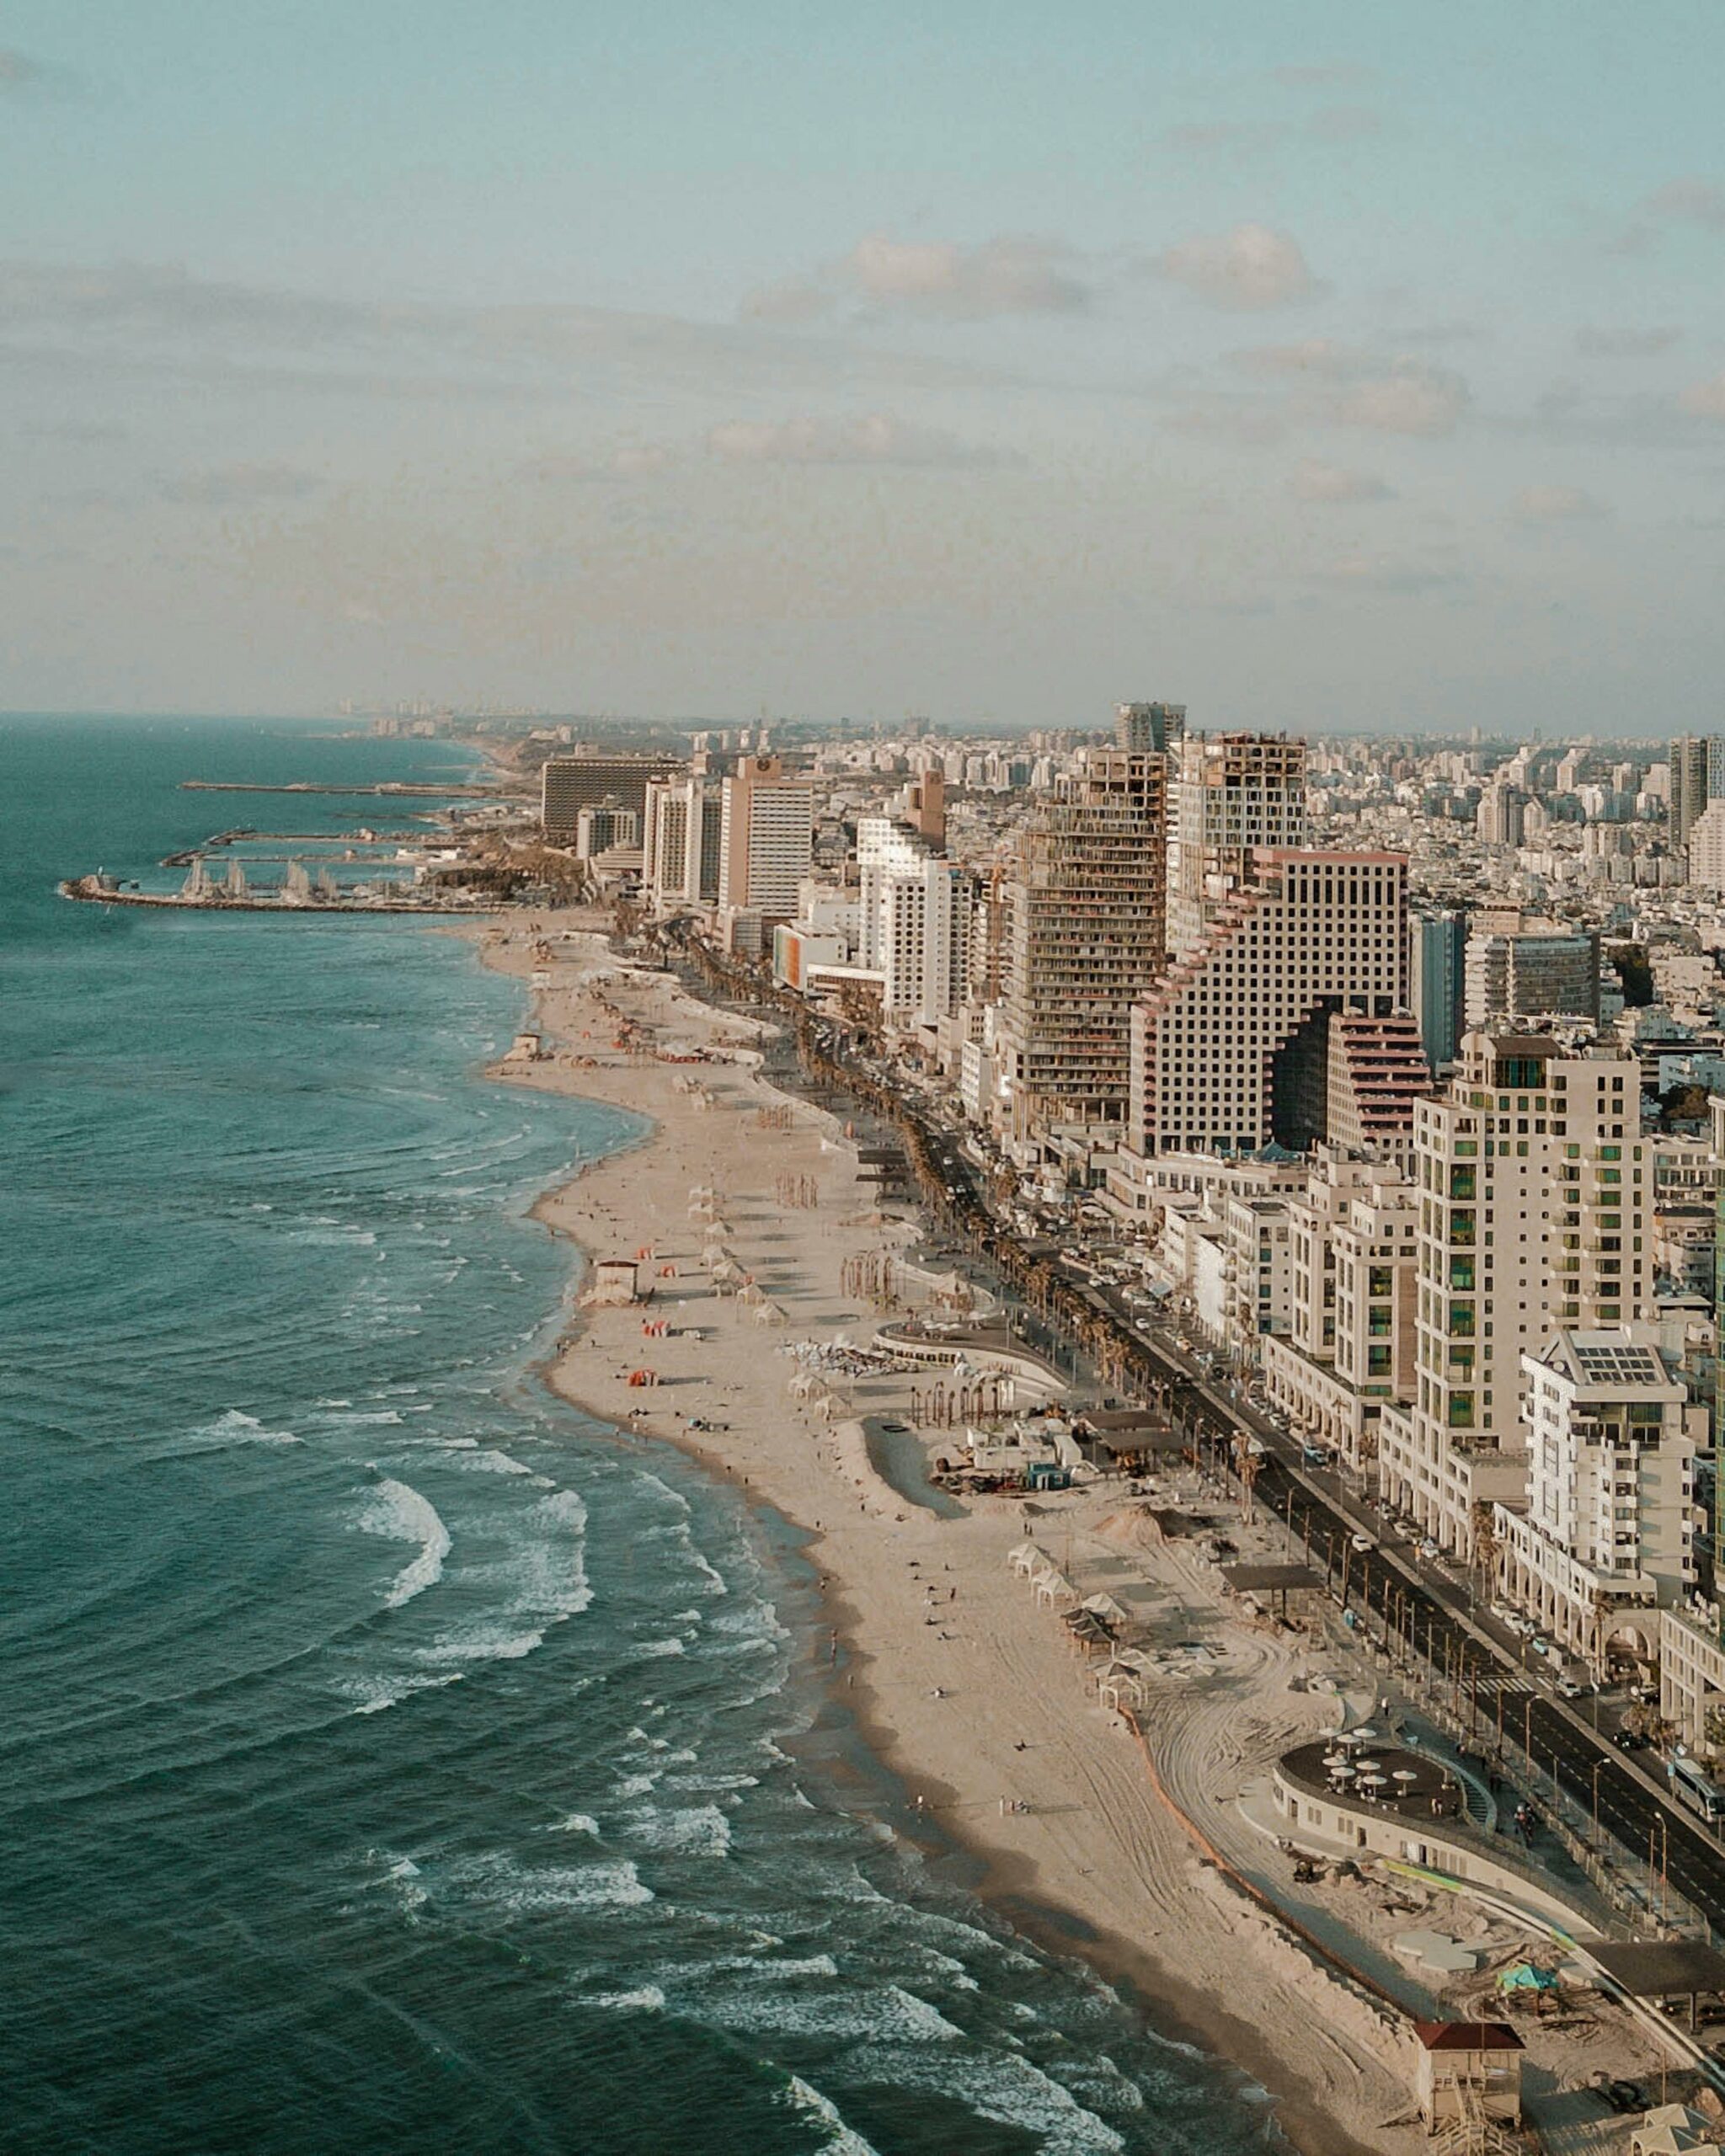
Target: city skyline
1336, 374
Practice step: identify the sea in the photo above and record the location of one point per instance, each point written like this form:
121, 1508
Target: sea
393, 1759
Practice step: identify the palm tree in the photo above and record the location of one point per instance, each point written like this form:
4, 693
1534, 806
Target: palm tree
1484, 1523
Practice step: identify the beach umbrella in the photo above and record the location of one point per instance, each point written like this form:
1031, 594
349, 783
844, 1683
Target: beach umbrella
1404, 1774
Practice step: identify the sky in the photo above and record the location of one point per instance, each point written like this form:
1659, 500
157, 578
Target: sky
1344, 366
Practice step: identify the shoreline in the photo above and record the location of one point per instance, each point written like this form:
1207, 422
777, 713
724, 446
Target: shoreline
1041, 1892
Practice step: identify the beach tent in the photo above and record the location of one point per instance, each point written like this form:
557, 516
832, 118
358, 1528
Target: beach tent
750, 1294
1104, 1605
768, 1313
1675, 2130
1025, 1559
1051, 1587
1118, 1683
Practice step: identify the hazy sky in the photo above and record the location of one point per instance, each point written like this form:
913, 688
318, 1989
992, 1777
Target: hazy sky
1356, 364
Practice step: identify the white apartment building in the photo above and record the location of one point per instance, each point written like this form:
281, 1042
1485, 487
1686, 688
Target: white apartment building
680, 842
766, 839
1229, 1049
1608, 1538
1534, 1189
914, 920
1231, 796
1349, 1349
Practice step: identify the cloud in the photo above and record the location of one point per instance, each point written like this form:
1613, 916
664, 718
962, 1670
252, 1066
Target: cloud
1322, 75
1621, 342
1411, 399
1251, 266
943, 278
1376, 573
1252, 426
1688, 201
1705, 400
1204, 136
240, 486
1345, 123
630, 461
1556, 504
1000, 276
1319, 356
876, 438
1315, 481
791, 300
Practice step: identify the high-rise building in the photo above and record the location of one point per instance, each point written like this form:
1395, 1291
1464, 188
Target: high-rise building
1232, 794
1149, 729
1086, 896
587, 780
1349, 1351
1437, 982
1536, 970
1691, 785
1608, 1538
914, 920
1230, 1049
680, 842
1377, 1071
1535, 1190
766, 839
1503, 815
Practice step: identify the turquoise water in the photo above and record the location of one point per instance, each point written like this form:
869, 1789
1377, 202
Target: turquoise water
392, 1760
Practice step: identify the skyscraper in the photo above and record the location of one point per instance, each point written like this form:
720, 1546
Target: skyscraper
591, 777
1232, 794
1149, 729
766, 839
1436, 982
914, 920
1691, 786
1535, 1197
1229, 1050
680, 841
1086, 900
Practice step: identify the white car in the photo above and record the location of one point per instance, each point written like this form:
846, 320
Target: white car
1363, 1542
1567, 1689
1523, 1627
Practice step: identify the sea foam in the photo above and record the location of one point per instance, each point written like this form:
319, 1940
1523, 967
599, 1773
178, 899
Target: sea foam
401, 1513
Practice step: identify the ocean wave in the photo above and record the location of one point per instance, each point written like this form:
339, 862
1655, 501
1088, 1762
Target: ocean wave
488, 1462
885, 2015
403, 1515
646, 1999
649, 1648
1004, 2086
840, 2140
375, 1695
235, 1428
577, 1823
702, 1830
536, 1890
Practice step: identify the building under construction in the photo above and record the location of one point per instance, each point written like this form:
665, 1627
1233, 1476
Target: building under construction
1086, 909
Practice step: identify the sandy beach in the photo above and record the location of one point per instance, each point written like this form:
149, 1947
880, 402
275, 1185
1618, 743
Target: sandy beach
972, 1694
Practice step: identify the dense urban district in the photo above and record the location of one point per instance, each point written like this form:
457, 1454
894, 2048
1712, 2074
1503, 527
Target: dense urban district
1338, 1128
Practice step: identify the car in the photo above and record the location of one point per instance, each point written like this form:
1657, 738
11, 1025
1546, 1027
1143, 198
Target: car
1631, 1740
1567, 1689
1362, 1543
1523, 1627
1504, 1615
1431, 1548
1315, 1456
